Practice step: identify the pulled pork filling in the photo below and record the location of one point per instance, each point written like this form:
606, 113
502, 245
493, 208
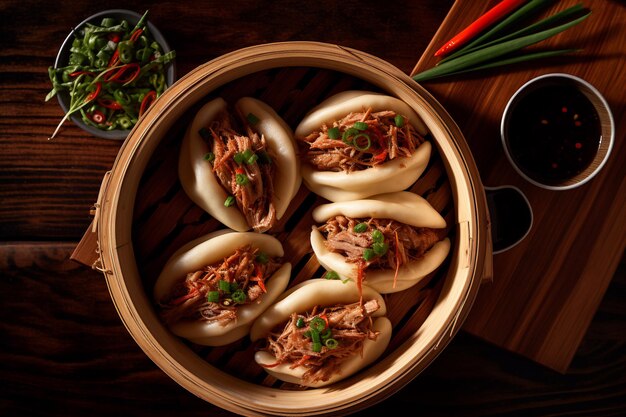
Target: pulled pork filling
214, 293
360, 141
243, 165
378, 243
322, 338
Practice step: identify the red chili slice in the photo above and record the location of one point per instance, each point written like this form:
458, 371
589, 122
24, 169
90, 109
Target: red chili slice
136, 34
115, 59
97, 116
147, 102
114, 37
109, 104
127, 73
94, 93
77, 73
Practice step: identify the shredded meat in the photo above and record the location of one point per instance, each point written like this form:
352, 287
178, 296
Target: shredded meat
254, 197
245, 271
383, 141
349, 325
404, 242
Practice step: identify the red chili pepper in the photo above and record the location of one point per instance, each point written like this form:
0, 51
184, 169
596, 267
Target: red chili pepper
114, 37
94, 93
492, 16
240, 171
114, 59
136, 34
147, 102
360, 275
77, 73
381, 156
97, 116
325, 318
124, 74
180, 300
109, 104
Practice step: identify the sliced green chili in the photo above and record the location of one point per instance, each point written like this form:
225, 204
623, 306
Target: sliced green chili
100, 52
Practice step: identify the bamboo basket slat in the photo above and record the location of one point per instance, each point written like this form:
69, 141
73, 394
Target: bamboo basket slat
143, 216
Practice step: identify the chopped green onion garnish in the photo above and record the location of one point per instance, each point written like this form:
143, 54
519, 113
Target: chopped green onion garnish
223, 286
333, 133
230, 200
238, 158
360, 228
307, 334
378, 236
213, 296
242, 179
262, 258
239, 296
368, 254
347, 135
315, 336
331, 343
399, 120
252, 119
331, 275
316, 347
247, 153
252, 159
300, 323
380, 248
204, 133
318, 324
327, 333
360, 125
362, 141
209, 156
234, 286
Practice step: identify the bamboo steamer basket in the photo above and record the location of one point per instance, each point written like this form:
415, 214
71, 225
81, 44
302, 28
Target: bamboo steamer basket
127, 219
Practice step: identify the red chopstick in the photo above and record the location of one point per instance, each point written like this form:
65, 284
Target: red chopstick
492, 16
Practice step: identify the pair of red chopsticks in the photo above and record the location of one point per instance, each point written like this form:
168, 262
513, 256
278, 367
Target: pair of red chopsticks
494, 15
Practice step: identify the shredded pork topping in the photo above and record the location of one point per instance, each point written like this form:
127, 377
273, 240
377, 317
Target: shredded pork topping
243, 272
382, 140
404, 242
254, 194
349, 325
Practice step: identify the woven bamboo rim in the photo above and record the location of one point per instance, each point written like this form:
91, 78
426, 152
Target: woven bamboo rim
470, 257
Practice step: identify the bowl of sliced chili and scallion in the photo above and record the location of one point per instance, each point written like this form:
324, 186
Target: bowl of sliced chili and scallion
109, 71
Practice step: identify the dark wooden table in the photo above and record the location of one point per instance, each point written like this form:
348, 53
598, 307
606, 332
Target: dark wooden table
64, 351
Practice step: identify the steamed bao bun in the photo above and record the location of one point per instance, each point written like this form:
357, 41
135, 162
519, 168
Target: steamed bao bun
301, 299
210, 249
394, 175
404, 207
201, 184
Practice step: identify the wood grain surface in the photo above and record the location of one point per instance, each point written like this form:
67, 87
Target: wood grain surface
63, 348
546, 290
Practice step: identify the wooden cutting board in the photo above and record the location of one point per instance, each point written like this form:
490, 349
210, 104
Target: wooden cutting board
546, 290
